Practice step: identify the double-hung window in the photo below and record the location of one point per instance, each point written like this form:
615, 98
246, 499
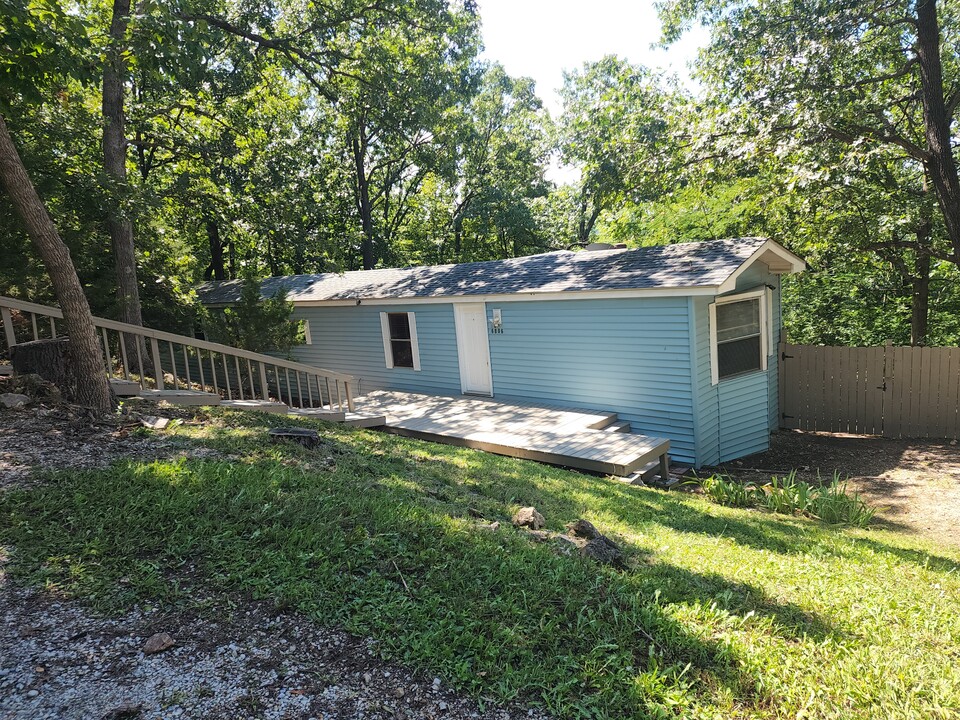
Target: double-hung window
738, 329
400, 347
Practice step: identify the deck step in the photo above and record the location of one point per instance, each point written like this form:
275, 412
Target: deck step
266, 406
181, 397
606, 419
318, 414
621, 426
365, 420
125, 388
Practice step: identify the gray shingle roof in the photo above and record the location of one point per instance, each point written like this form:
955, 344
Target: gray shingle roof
685, 265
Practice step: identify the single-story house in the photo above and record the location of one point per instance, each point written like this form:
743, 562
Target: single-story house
679, 340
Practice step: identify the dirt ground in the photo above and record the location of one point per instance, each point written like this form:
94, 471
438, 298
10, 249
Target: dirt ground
914, 484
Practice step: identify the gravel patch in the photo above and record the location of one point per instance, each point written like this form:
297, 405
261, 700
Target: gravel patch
54, 437
60, 660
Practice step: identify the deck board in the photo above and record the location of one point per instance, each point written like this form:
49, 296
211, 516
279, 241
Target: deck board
536, 431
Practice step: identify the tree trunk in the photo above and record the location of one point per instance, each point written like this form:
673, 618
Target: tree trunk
364, 206
920, 305
920, 295
85, 357
216, 270
941, 165
47, 358
115, 164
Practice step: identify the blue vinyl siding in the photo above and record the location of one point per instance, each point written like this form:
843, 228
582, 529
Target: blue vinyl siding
629, 356
744, 427
708, 408
737, 415
349, 340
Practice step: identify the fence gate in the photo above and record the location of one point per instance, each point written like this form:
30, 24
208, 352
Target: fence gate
911, 392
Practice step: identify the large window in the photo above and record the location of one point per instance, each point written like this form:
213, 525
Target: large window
400, 348
739, 335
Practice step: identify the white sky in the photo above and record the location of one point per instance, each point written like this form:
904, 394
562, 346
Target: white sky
542, 38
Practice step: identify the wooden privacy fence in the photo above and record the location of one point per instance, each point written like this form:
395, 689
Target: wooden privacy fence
910, 392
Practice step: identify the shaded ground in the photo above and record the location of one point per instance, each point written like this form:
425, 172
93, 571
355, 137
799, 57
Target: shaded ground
233, 659
914, 484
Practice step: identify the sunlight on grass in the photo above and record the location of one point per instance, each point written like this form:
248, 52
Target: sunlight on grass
724, 613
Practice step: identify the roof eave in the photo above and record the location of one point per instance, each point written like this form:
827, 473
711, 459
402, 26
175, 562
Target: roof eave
678, 291
774, 255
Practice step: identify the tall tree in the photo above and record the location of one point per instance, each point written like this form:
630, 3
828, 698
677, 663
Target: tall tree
861, 72
31, 68
119, 222
615, 128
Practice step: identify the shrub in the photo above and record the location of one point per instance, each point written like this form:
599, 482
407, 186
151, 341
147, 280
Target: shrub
254, 323
830, 503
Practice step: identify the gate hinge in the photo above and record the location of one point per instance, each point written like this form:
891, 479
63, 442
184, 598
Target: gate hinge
784, 356
786, 417
882, 387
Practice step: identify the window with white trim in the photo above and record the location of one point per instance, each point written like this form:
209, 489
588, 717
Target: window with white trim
739, 335
400, 347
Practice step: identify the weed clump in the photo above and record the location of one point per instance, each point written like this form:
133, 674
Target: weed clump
831, 503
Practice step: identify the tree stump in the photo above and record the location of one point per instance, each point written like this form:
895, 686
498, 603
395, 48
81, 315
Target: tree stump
47, 358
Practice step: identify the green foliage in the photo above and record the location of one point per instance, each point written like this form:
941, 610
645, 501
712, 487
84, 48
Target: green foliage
616, 129
722, 613
255, 323
830, 503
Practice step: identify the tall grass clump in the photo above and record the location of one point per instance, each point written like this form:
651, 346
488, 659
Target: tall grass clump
831, 503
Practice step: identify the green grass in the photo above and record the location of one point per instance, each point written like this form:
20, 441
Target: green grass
725, 613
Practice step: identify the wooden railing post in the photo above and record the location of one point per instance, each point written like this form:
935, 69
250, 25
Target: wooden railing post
157, 367
106, 352
123, 354
8, 327
263, 381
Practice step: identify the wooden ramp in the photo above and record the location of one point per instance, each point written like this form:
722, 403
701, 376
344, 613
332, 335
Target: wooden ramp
584, 439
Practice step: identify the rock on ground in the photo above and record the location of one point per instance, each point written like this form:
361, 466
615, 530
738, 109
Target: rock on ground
529, 517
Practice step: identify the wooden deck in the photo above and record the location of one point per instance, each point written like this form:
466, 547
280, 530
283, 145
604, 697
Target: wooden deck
584, 439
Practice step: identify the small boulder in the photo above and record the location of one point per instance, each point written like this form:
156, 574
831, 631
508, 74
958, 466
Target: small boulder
604, 551
584, 529
14, 400
529, 517
158, 643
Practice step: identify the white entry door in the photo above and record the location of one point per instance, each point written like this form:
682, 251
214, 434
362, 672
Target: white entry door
473, 348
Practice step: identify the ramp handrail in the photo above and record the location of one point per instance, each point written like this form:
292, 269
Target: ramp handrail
187, 367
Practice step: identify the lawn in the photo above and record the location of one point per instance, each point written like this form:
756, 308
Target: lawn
722, 613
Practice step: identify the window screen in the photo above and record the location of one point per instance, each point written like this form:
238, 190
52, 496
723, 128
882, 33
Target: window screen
401, 344
738, 338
